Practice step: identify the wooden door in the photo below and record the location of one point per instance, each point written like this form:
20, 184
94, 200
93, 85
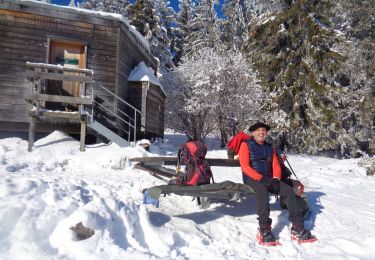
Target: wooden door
68, 54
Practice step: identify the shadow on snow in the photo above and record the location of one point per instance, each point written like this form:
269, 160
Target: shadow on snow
247, 206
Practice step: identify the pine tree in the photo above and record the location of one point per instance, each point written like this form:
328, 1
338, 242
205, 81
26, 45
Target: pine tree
111, 6
234, 26
258, 8
182, 30
204, 31
356, 21
278, 50
142, 16
167, 20
305, 67
154, 20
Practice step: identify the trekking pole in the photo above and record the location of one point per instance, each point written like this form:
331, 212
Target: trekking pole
286, 159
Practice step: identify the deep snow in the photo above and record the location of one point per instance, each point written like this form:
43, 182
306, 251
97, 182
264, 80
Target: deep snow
47, 191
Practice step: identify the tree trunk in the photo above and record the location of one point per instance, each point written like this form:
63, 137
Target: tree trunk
223, 129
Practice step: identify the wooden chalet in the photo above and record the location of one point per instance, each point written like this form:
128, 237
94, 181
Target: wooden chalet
77, 39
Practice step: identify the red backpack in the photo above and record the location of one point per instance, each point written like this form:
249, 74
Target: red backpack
197, 170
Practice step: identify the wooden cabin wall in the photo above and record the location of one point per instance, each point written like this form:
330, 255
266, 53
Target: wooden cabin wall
112, 52
152, 104
24, 30
130, 54
155, 111
137, 98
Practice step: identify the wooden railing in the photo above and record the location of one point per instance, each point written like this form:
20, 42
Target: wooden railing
37, 73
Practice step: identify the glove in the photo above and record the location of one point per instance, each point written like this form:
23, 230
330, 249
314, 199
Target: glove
272, 184
266, 181
275, 186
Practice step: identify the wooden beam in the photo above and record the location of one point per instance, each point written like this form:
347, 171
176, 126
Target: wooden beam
168, 160
59, 114
82, 136
31, 133
55, 76
55, 98
57, 67
165, 172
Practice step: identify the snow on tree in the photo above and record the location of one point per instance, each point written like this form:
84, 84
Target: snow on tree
182, 30
204, 31
306, 67
355, 20
212, 88
110, 6
256, 8
167, 20
234, 26
154, 20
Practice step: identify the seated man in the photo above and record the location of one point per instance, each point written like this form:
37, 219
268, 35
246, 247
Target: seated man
262, 172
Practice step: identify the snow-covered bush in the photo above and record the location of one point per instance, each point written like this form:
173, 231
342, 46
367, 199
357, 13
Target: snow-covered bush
209, 89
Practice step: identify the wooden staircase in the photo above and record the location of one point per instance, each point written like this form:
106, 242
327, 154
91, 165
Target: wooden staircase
85, 116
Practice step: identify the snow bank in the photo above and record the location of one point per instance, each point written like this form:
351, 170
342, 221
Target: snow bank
46, 192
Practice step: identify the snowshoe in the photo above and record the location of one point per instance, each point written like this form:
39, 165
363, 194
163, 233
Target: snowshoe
301, 235
266, 238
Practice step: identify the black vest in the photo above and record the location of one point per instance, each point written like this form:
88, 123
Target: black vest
260, 157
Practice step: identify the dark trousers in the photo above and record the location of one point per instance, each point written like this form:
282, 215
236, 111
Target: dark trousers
263, 204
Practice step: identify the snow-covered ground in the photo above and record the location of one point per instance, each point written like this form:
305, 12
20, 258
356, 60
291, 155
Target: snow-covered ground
46, 192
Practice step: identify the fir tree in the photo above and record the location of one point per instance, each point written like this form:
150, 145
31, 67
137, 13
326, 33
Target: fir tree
234, 26
111, 6
204, 31
183, 30
154, 20
305, 69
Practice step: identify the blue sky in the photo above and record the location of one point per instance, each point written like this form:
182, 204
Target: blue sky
174, 4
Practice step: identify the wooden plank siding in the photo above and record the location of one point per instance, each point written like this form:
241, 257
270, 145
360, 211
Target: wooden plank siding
129, 56
155, 110
135, 91
150, 99
25, 29
113, 51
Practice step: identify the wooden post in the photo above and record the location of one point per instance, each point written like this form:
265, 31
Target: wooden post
82, 92
38, 89
83, 136
32, 124
31, 133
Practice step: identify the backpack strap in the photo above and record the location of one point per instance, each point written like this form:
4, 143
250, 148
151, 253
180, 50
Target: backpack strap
207, 165
179, 155
212, 177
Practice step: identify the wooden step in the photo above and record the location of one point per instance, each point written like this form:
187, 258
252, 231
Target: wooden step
58, 116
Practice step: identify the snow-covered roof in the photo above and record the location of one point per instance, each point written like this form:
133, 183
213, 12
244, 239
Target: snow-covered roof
112, 16
144, 73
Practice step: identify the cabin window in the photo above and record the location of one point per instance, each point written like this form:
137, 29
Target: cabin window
66, 53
